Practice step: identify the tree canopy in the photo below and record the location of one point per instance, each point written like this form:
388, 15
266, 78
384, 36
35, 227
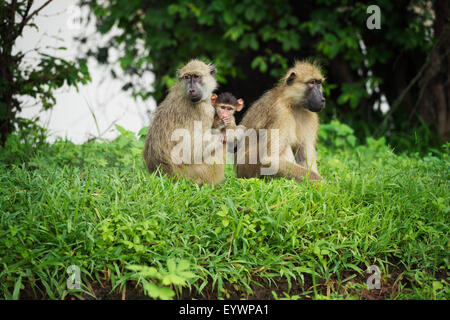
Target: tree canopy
405, 62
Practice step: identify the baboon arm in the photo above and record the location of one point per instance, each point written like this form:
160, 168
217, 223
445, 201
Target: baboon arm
212, 142
306, 156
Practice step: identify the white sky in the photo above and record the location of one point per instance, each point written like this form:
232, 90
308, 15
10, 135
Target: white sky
71, 117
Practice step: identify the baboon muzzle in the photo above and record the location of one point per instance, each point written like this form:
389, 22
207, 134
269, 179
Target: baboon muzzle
315, 101
194, 98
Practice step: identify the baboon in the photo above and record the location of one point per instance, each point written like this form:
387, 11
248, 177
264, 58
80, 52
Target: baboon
188, 101
226, 105
291, 107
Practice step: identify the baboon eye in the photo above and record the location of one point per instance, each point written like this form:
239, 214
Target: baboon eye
186, 77
195, 76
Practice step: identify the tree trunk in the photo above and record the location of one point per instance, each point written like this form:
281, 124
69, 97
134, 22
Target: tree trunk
6, 98
434, 106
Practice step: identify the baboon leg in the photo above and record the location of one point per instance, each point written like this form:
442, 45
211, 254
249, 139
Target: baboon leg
248, 170
201, 173
306, 157
287, 167
300, 158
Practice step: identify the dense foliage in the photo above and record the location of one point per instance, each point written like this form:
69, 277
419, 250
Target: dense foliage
406, 61
95, 206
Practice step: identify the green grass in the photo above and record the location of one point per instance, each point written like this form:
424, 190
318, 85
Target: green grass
95, 206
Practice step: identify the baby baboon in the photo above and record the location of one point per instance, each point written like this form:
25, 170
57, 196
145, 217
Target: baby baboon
186, 113
226, 105
291, 108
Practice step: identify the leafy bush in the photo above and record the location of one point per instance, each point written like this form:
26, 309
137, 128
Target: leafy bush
254, 42
336, 134
176, 274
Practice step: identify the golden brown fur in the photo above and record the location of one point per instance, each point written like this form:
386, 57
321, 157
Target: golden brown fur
178, 112
282, 108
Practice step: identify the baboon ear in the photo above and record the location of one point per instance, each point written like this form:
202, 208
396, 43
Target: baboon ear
290, 79
212, 70
239, 105
213, 99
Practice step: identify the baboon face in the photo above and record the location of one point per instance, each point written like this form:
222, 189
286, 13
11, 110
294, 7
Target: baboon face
193, 85
225, 110
314, 99
199, 80
304, 86
226, 104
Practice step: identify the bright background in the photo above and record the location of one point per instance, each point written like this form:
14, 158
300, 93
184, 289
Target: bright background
97, 106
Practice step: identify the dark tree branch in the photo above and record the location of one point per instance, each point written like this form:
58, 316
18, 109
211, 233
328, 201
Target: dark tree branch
26, 18
396, 104
422, 90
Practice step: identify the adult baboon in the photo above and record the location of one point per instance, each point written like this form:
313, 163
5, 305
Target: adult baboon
186, 113
290, 107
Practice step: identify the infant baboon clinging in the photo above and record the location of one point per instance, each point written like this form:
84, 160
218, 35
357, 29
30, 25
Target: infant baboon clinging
226, 105
186, 113
291, 108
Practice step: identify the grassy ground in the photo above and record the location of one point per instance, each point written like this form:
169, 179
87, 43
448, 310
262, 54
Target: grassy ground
131, 233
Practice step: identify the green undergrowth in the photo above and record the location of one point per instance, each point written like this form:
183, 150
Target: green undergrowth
95, 206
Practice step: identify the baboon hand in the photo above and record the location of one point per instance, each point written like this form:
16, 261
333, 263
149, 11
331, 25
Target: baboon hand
227, 120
